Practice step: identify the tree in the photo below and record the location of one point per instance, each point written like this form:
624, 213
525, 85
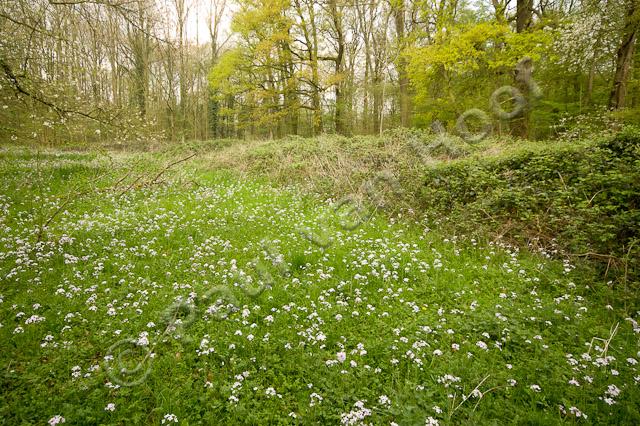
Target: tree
399, 11
216, 12
524, 14
140, 43
624, 56
79, 69
306, 24
336, 17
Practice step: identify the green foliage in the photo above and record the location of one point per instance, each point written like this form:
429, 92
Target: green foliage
581, 199
460, 71
588, 124
421, 317
249, 73
225, 68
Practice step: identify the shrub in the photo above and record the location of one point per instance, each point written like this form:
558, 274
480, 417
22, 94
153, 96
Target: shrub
581, 200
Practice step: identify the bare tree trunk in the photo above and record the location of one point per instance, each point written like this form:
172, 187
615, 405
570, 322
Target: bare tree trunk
377, 103
401, 63
380, 62
315, 76
216, 12
291, 102
592, 70
524, 14
140, 50
366, 22
624, 57
309, 29
336, 17
182, 14
635, 96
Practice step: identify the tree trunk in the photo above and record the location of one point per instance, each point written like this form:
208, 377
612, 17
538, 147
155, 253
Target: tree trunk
365, 25
310, 32
624, 57
524, 70
635, 95
336, 16
401, 63
182, 16
524, 9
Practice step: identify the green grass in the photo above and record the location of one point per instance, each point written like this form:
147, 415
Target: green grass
411, 308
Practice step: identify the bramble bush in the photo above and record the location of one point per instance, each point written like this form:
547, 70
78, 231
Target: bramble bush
580, 200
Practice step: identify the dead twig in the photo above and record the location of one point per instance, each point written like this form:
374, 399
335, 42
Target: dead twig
596, 255
136, 180
58, 210
167, 167
74, 195
594, 196
70, 198
612, 332
464, 399
115, 185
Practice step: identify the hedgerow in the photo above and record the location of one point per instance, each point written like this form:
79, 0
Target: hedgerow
579, 200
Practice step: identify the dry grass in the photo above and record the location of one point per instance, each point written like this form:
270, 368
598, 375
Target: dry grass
330, 165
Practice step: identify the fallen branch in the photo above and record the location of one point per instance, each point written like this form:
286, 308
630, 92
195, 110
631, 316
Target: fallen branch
136, 180
154, 180
70, 198
75, 195
597, 255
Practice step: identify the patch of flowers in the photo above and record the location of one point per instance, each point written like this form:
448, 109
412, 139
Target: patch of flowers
218, 300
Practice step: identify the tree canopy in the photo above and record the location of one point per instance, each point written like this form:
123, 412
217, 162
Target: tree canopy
269, 68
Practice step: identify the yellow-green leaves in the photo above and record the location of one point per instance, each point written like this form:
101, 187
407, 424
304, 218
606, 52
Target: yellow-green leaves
486, 44
460, 70
224, 69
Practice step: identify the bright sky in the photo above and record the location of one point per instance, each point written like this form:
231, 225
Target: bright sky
197, 22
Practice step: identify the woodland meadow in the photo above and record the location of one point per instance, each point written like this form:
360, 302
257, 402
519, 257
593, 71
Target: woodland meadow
350, 212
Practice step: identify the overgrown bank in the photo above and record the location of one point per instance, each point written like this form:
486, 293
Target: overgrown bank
582, 200
578, 198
